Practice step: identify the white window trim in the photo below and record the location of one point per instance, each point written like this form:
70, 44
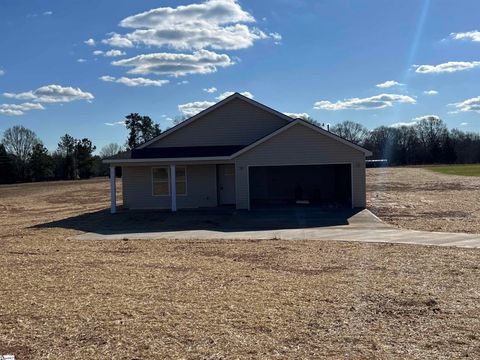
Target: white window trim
169, 181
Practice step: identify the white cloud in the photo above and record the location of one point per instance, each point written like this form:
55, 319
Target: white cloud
402, 124
430, 92
90, 42
200, 62
167, 118
2, 72
448, 67
229, 93
426, 117
463, 124
107, 78
109, 53
52, 94
81, 60
472, 104
304, 116
415, 121
216, 24
27, 106
213, 11
469, 35
11, 112
117, 40
276, 37
374, 102
194, 107
113, 53
388, 84
139, 81
115, 123
48, 13
19, 109
183, 82
234, 37
210, 90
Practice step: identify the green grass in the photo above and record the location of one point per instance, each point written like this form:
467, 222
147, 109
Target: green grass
462, 170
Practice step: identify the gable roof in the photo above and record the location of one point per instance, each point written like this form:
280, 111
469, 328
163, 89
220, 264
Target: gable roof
309, 125
224, 153
209, 110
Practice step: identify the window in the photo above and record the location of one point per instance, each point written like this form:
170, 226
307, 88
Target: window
161, 180
181, 177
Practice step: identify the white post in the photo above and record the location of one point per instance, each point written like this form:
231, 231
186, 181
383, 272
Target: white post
173, 187
113, 191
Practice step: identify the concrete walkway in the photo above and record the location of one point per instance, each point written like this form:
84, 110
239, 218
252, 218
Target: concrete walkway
293, 224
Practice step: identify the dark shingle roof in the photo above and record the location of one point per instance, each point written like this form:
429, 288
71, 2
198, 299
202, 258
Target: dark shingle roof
185, 152
120, 156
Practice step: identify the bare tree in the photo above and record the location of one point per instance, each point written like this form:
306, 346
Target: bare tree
310, 119
179, 119
20, 141
351, 131
431, 131
110, 150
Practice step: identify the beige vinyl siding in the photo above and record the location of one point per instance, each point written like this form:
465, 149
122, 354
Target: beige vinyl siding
300, 145
235, 123
137, 188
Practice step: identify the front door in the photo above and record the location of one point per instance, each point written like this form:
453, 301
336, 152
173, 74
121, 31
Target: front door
226, 184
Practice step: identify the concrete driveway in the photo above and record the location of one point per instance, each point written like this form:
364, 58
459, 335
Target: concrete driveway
269, 224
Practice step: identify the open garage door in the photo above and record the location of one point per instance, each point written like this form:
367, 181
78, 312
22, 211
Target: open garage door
319, 185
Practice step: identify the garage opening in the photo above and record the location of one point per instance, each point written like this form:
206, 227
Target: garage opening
318, 185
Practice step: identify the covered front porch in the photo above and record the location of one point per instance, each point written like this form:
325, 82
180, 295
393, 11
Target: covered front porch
172, 186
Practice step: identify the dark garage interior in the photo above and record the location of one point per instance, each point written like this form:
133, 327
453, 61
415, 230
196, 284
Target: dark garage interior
318, 185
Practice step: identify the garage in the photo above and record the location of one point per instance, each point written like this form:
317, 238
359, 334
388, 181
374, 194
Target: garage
328, 185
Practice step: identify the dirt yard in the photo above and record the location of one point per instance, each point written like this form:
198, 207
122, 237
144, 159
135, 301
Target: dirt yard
64, 299
419, 199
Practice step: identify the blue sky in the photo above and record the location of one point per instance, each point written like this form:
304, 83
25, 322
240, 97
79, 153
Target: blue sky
76, 66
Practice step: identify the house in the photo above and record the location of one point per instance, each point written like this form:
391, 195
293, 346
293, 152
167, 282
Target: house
241, 153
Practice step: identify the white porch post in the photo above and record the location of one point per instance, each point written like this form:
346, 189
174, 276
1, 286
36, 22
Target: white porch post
173, 187
113, 191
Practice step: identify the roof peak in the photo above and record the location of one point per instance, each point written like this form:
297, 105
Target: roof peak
235, 95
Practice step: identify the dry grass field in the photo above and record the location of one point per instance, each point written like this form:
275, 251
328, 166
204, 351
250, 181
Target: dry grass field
65, 299
420, 199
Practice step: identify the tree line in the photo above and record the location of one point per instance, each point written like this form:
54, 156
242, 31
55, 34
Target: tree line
427, 141
23, 156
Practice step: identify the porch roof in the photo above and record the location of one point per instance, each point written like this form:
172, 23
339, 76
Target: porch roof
185, 152
196, 154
